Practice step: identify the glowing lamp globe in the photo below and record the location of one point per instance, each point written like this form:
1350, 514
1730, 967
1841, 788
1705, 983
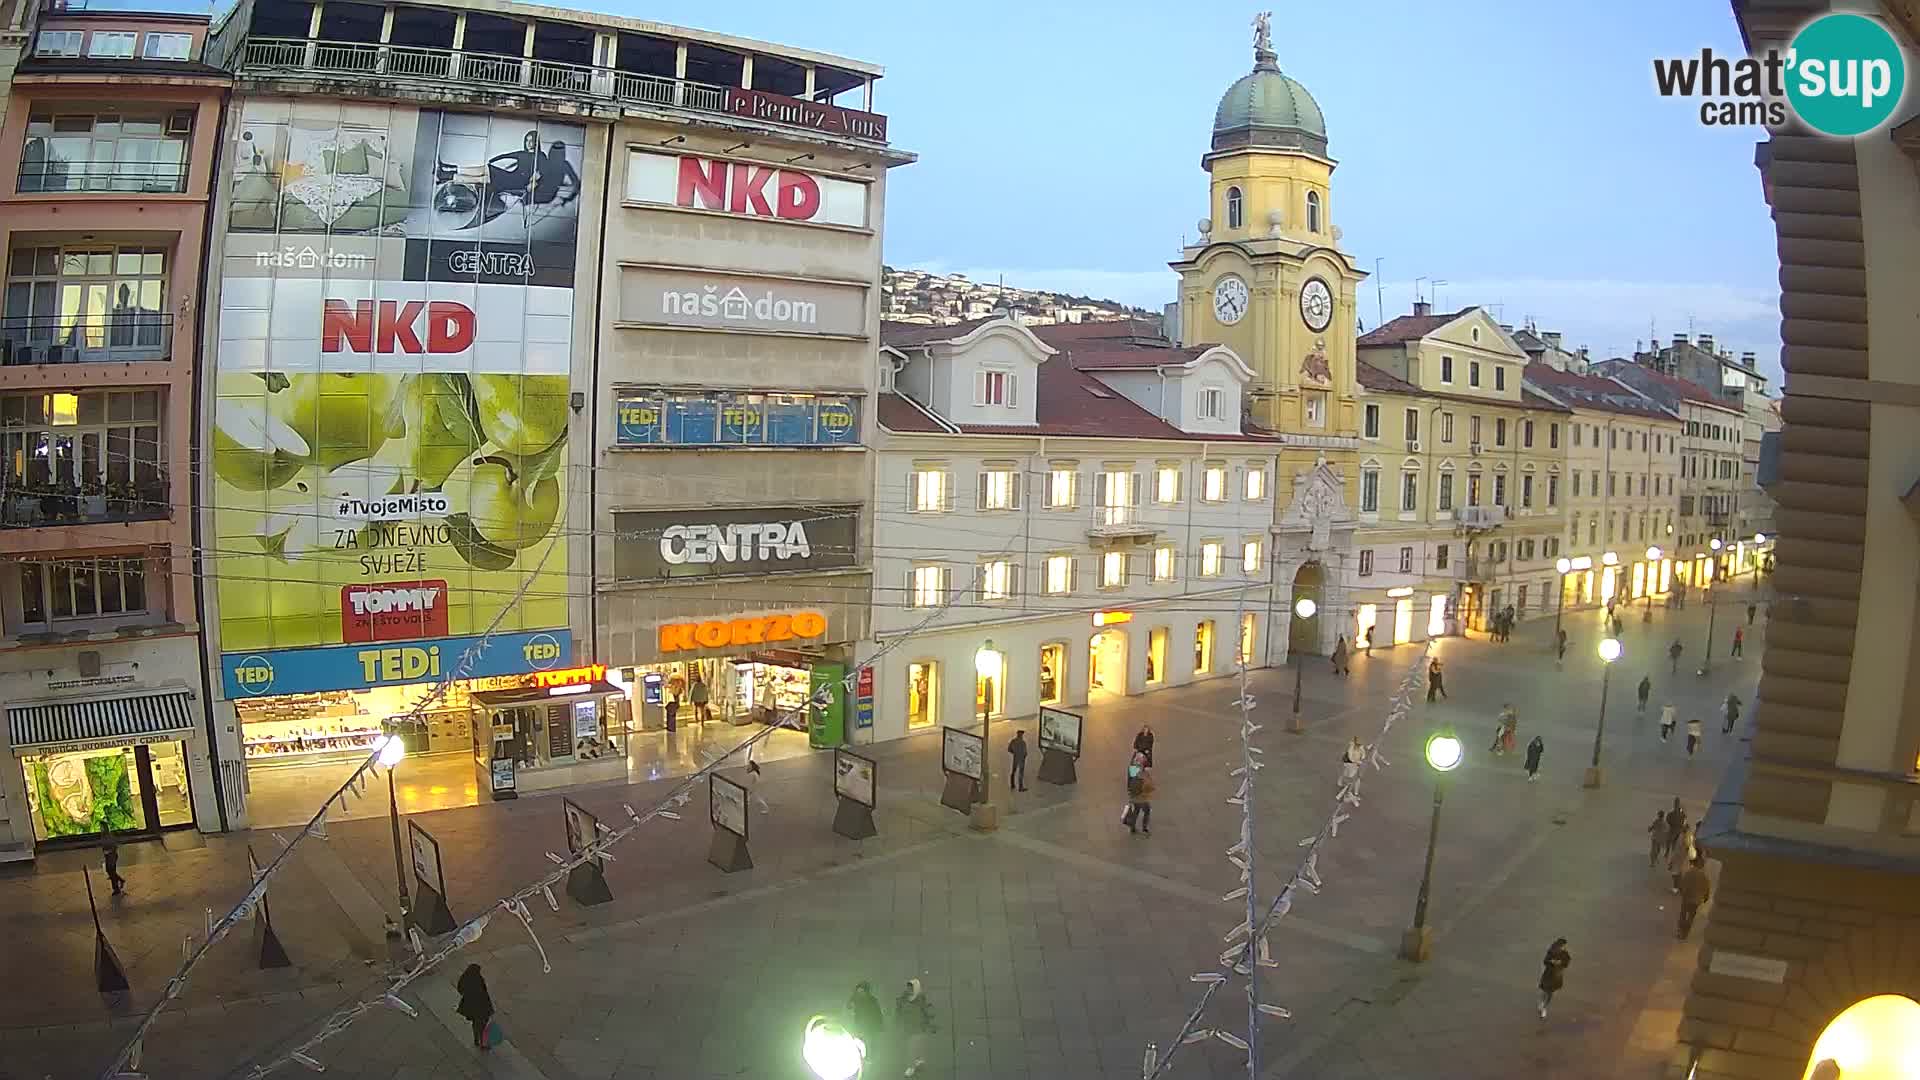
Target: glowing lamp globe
1714, 543
1563, 565
831, 1051
1444, 751
392, 750
1653, 554
1609, 649
1305, 607
1759, 538
987, 661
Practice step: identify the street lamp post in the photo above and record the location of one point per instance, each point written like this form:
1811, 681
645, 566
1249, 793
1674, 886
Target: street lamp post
1713, 609
1609, 652
392, 751
987, 662
1564, 566
831, 1051
1443, 756
1303, 607
1654, 555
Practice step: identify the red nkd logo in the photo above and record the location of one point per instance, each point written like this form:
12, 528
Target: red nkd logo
393, 326
739, 188
393, 611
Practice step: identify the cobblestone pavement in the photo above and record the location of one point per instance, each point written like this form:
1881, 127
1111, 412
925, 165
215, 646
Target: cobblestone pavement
1056, 947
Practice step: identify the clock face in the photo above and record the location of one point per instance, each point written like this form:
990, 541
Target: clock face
1230, 300
1316, 304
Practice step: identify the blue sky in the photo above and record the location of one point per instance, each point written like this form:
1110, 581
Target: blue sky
1523, 157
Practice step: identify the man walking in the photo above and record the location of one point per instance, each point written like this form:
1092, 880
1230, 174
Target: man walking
1436, 681
1673, 654
1676, 826
1656, 838
1696, 888
1017, 776
1560, 647
1139, 816
1732, 713
1693, 735
1340, 656
1752, 610
110, 858
1534, 749
1667, 722
1739, 640
1646, 688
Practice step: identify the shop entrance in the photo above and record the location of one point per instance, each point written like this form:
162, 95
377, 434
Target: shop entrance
1107, 663
81, 794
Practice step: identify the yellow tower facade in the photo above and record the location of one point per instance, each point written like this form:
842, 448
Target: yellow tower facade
1267, 279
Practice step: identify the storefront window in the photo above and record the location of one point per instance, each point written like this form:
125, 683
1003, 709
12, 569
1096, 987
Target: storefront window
1363, 625
1053, 666
1203, 648
170, 792
923, 694
84, 792
990, 694
1157, 654
1247, 628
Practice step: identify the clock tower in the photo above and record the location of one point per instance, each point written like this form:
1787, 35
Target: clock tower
1267, 279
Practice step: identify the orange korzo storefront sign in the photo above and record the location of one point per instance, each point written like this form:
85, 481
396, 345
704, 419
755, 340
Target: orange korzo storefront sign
725, 633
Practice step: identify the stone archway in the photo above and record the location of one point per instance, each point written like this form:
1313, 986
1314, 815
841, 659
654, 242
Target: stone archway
1307, 637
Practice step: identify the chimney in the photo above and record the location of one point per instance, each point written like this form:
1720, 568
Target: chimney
1422, 307
1552, 338
1679, 339
1746, 358
1506, 328
1706, 343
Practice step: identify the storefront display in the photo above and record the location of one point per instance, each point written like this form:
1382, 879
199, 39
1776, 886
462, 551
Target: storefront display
543, 737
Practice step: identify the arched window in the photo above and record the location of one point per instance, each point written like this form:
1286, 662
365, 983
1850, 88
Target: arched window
1313, 211
1236, 211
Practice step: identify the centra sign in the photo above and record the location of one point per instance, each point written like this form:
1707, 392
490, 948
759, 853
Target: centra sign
775, 541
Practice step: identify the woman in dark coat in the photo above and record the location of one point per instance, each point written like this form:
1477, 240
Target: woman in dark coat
1534, 749
1553, 972
1143, 743
475, 1003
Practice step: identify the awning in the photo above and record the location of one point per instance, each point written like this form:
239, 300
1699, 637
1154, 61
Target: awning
102, 721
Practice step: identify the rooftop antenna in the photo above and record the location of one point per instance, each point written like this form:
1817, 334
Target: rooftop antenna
1379, 296
1437, 282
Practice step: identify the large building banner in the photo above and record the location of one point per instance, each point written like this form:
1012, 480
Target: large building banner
389, 435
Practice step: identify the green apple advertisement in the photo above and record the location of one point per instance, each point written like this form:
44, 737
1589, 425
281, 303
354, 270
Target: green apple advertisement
389, 442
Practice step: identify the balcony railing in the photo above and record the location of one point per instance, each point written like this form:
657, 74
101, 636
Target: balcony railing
47, 505
43, 177
127, 336
410, 63
1117, 521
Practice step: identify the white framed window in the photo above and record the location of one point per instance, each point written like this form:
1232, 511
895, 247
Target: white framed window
59, 43
1313, 211
1113, 570
1371, 422
1256, 485
1250, 558
1166, 484
1500, 489
1213, 484
1446, 427
1059, 575
1236, 208
1443, 500
1406, 560
1446, 369
1063, 487
1210, 402
1313, 406
1409, 491
112, 44
1366, 562
167, 47
1210, 558
927, 585
1526, 491
1119, 495
1441, 556
994, 387
1553, 490
1163, 563
929, 490
996, 580
1369, 491
999, 489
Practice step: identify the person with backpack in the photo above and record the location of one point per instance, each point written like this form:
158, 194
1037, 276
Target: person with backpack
1139, 815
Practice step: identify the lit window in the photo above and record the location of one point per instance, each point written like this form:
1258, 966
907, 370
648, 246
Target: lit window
1059, 575
1250, 558
1369, 491
1247, 627
1256, 483
1210, 403
996, 580
1203, 647
1236, 208
1210, 558
1213, 484
927, 585
928, 491
999, 489
1062, 487
1473, 489
168, 47
1118, 493
1113, 570
112, 44
1163, 563
923, 693
1166, 484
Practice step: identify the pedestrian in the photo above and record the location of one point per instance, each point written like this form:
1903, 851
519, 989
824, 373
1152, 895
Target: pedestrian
475, 1004
1646, 688
1667, 722
1139, 815
1673, 653
1351, 759
1340, 656
865, 1021
1560, 646
1739, 639
913, 1016
1656, 838
1676, 825
699, 695
1436, 680
1534, 749
1509, 727
1696, 888
1732, 712
110, 858
1553, 974
673, 707
1752, 610
1693, 735
1017, 776
1143, 744
1681, 856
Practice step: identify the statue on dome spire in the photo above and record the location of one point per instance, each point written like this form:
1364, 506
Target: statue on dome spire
1263, 32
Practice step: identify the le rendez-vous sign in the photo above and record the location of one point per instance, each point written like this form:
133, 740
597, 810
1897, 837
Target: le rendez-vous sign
830, 119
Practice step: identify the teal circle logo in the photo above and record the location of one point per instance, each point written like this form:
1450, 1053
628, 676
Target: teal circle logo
1845, 74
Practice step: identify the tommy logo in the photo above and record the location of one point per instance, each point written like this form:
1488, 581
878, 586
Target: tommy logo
393, 611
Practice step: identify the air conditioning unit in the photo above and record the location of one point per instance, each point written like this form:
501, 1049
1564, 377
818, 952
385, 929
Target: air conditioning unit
1474, 449
1413, 446
180, 123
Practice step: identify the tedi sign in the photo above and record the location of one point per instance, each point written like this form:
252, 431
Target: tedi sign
745, 188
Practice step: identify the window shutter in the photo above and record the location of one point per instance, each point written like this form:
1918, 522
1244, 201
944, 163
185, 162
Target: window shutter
912, 596
1099, 490
1073, 574
979, 388
1133, 490
1013, 579
1013, 390
945, 501
1017, 485
981, 491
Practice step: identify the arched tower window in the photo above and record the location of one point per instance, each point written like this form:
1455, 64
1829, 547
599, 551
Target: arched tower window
1313, 211
1236, 209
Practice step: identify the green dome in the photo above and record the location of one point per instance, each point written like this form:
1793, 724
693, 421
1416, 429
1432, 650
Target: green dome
1267, 109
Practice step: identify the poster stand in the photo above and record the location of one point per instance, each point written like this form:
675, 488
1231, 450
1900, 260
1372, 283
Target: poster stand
109, 974
1057, 767
727, 809
266, 942
1060, 733
429, 912
586, 883
854, 785
854, 820
961, 793
961, 754
729, 852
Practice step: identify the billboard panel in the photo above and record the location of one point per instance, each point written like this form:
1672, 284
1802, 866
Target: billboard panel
392, 397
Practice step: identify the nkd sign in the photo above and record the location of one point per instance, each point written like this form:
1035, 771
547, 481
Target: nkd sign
746, 188
711, 543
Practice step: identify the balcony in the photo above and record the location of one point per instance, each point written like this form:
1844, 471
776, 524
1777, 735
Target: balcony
125, 337
453, 70
1480, 517
44, 506
1120, 523
56, 177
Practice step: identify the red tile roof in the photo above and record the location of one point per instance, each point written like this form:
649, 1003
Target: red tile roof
907, 335
1407, 328
1672, 384
1592, 392
1139, 329
1065, 404
897, 413
1374, 378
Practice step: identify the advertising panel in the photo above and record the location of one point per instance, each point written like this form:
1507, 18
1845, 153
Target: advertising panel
960, 752
727, 805
1060, 730
746, 188
831, 119
853, 777
352, 667
644, 417
654, 544
656, 296
392, 391
426, 859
